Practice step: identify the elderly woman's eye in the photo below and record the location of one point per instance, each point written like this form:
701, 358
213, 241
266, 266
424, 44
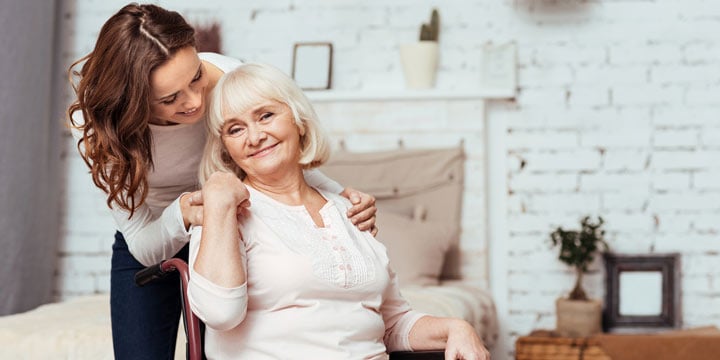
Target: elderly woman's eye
266, 116
235, 130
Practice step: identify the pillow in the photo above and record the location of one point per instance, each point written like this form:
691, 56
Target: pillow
416, 248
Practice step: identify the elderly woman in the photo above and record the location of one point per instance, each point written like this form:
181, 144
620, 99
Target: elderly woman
290, 276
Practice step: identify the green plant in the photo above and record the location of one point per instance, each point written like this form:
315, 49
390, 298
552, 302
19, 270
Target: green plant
430, 32
578, 248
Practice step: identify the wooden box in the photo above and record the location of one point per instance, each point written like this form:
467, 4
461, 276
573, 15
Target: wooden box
546, 345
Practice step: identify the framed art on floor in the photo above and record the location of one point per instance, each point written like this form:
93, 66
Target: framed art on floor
642, 291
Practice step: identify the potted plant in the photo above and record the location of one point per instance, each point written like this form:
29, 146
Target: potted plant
420, 60
578, 315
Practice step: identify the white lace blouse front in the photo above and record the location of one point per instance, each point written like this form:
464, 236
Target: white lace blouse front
311, 292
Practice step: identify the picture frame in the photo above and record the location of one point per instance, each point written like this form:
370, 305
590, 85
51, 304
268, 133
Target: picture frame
642, 292
312, 65
498, 66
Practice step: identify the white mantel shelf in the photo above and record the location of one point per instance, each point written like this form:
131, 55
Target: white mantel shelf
405, 95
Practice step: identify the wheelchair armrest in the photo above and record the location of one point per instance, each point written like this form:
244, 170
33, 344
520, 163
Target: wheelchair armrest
418, 355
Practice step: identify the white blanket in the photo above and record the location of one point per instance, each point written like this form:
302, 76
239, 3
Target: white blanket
458, 300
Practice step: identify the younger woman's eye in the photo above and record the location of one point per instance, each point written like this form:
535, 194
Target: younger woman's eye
197, 76
170, 101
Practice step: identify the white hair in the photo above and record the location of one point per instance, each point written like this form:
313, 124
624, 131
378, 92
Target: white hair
239, 90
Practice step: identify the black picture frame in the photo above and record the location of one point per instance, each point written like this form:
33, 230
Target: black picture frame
639, 267
312, 65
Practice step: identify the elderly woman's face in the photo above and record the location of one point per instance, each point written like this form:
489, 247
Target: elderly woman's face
263, 140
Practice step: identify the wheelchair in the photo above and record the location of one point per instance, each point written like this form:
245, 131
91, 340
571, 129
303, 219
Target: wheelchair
194, 329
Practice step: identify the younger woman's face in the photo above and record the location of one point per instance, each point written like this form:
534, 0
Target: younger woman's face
178, 88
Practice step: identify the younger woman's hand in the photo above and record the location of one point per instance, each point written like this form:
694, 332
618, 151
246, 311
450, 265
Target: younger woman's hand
363, 211
191, 206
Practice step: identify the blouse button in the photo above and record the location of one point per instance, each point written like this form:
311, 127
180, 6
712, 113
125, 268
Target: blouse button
348, 267
341, 267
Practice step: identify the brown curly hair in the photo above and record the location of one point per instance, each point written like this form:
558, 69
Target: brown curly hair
113, 96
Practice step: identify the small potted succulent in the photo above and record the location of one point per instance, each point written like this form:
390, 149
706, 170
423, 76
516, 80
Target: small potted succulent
578, 315
420, 59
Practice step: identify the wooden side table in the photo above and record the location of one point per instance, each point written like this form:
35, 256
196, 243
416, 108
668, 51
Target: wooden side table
547, 345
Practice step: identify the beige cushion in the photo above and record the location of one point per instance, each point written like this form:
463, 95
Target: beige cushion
403, 180
416, 248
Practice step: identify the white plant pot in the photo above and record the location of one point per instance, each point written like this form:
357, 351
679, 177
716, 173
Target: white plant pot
419, 62
578, 318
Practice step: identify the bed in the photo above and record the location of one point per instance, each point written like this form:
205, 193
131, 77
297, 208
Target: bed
419, 200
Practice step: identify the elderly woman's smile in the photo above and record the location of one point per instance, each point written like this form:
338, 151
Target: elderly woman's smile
264, 151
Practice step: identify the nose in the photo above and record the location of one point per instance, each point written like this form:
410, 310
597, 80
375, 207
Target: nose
194, 100
255, 135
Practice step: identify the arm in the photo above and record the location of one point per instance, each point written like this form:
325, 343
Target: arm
152, 240
456, 336
406, 329
218, 290
362, 213
223, 194
220, 308
399, 318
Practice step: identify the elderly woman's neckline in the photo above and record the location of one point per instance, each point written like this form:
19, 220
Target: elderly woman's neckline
289, 196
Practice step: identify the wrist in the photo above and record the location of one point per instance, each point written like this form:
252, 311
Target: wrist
184, 202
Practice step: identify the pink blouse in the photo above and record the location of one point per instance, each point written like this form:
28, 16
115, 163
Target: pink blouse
311, 292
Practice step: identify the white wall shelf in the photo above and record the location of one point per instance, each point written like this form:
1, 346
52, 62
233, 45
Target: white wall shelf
406, 95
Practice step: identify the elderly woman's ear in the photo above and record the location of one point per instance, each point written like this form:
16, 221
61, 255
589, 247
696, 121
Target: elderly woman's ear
301, 127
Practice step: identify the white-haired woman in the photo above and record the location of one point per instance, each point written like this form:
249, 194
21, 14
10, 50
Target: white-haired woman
290, 276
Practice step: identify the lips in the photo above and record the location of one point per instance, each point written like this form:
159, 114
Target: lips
190, 112
263, 151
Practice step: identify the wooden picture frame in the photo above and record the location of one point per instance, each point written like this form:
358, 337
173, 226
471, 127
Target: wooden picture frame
642, 292
312, 65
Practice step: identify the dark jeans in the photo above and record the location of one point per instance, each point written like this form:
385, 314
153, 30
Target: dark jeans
144, 319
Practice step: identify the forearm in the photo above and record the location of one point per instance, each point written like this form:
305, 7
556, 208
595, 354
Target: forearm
431, 333
152, 240
220, 308
219, 259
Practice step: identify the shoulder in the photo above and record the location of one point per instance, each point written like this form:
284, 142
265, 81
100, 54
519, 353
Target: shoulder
222, 62
340, 201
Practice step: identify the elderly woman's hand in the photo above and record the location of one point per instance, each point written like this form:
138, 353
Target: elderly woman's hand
222, 189
363, 211
463, 343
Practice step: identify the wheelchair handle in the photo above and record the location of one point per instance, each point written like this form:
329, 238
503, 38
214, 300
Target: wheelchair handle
150, 274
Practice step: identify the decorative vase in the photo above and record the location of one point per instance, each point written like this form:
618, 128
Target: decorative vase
578, 318
419, 62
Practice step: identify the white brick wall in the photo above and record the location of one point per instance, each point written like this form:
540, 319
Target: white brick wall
617, 115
